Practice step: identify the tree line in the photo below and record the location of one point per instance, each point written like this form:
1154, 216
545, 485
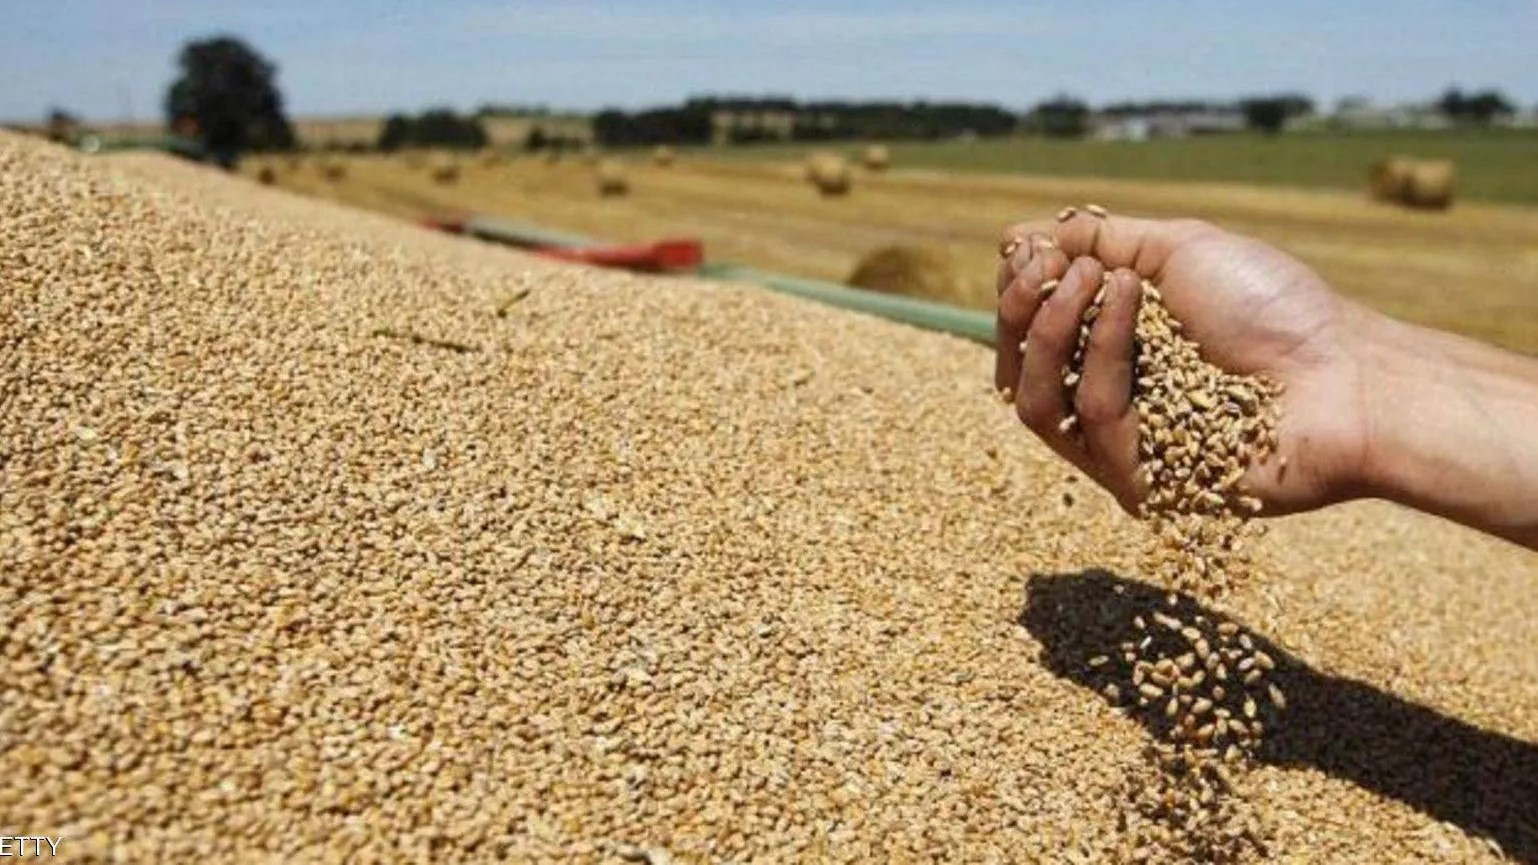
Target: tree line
1067, 117
745, 120
440, 127
225, 98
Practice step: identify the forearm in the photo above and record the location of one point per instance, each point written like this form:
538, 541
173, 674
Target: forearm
1452, 428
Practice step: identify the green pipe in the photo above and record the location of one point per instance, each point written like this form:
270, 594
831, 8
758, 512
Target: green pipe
514, 233
970, 324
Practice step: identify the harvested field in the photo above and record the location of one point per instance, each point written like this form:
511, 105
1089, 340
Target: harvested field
335, 132
323, 536
1495, 164
1473, 270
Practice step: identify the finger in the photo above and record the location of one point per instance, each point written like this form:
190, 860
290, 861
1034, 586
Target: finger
1103, 400
1017, 244
1009, 244
1042, 399
1143, 245
1017, 307
1017, 233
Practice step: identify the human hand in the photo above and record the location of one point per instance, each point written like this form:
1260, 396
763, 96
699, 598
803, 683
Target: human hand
1252, 308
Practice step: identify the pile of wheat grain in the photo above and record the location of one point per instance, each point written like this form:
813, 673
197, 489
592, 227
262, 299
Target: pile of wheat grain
326, 537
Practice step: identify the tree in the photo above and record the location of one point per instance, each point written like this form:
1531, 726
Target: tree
396, 132
63, 126
690, 124
1269, 114
227, 95
1062, 117
440, 127
1477, 108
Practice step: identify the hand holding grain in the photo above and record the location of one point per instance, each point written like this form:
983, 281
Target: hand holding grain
1372, 406
1251, 308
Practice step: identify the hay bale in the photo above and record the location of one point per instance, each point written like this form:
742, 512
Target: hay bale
267, 175
664, 156
915, 271
1421, 183
334, 171
611, 178
1389, 177
446, 174
830, 173
876, 158
1431, 184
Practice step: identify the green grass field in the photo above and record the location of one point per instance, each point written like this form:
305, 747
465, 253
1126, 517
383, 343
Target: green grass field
1493, 165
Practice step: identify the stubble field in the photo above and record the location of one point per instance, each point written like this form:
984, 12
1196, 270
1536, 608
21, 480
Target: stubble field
1473, 270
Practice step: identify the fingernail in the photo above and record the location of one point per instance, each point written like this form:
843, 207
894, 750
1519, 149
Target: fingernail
1020, 258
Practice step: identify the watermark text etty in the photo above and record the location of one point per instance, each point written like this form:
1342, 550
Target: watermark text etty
29, 846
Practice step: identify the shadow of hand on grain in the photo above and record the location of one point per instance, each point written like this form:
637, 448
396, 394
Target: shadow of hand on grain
1484, 782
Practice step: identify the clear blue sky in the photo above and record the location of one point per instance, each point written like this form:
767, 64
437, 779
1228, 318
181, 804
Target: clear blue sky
102, 58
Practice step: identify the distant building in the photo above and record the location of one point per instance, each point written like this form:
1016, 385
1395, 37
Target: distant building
1518, 120
1130, 128
1143, 125
1359, 114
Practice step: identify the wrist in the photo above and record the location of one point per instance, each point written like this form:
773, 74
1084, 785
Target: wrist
1386, 372
1446, 427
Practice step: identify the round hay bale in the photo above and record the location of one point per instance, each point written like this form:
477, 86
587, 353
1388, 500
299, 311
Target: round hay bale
1431, 184
664, 156
446, 174
335, 171
1389, 178
830, 173
1427, 184
267, 175
876, 157
915, 271
611, 179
